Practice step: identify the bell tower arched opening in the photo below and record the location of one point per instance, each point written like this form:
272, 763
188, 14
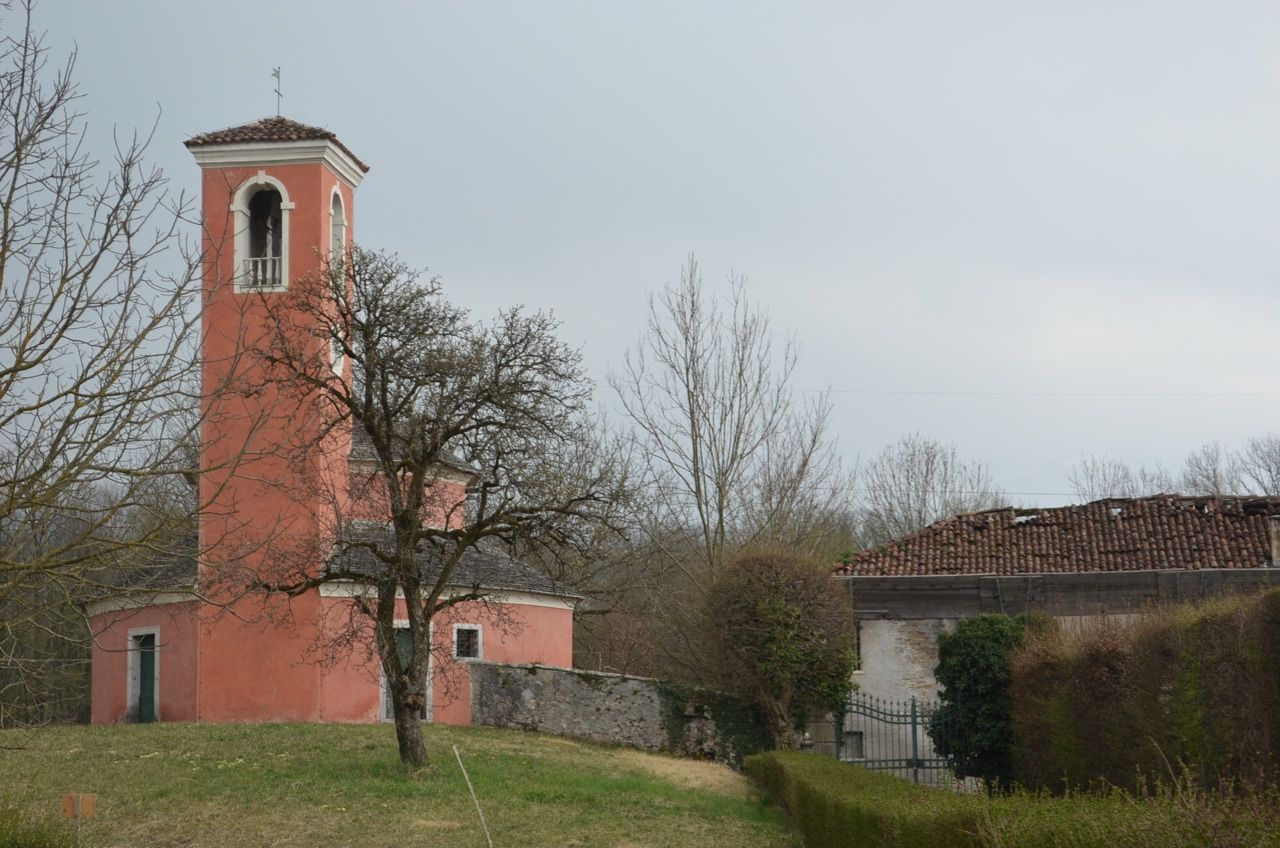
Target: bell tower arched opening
261, 209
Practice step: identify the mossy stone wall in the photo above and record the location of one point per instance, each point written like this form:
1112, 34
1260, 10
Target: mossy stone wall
637, 712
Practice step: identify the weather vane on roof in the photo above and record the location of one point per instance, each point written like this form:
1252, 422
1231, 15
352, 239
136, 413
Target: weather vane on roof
275, 72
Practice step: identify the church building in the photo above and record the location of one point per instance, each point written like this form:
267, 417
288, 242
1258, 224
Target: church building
278, 198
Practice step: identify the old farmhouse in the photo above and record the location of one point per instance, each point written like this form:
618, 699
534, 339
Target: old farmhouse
1117, 556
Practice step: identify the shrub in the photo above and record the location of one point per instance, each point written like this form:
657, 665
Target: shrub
784, 636
833, 804
1194, 688
974, 672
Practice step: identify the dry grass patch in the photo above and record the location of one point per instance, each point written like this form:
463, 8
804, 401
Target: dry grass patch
690, 774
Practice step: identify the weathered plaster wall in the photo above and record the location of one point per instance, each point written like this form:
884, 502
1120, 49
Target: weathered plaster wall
637, 712
898, 657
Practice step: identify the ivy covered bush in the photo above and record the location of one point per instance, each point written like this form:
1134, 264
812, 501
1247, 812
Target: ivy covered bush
974, 671
782, 634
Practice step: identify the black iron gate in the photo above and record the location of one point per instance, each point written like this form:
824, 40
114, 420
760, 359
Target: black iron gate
907, 738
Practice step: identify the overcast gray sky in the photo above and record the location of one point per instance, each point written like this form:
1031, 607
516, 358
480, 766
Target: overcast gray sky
1036, 230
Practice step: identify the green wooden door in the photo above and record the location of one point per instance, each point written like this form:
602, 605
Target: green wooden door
404, 648
147, 678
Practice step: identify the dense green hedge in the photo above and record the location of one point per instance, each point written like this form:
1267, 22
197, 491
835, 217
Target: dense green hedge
1188, 690
835, 805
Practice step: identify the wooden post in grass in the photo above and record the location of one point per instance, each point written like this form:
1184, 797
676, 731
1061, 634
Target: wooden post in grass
78, 806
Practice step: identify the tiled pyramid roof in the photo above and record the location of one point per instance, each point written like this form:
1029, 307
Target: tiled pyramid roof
1114, 534
273, 128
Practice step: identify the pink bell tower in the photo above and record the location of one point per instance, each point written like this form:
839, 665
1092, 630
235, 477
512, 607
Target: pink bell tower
277, 200
198, 639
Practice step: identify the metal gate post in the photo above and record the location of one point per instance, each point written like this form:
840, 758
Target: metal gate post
915, 743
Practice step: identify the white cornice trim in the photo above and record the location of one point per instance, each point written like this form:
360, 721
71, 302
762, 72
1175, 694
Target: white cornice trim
348, 589
444, 472
105, 605
251, 153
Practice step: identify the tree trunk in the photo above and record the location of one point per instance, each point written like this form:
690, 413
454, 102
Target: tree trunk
778, 721
409, 732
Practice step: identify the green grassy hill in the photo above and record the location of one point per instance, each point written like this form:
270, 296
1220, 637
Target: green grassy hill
335, 785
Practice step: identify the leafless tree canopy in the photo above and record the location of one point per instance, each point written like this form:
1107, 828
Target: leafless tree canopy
918, 481
729, 459
432, 390
96, 360
732, 457
1213, 469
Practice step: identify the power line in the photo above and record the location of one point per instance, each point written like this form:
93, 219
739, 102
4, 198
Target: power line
966, 393
681, 490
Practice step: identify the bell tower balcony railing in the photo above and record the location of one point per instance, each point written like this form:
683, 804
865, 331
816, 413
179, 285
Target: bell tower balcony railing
263, 272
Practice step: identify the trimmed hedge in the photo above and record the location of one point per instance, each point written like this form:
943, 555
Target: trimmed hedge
1192, 691
835, 805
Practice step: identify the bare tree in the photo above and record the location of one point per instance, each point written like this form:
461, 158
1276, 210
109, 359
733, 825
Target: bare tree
917, 481
435, 394
731, 456
730, 460
1212, 470
1257, 466
1095, 477
96, 360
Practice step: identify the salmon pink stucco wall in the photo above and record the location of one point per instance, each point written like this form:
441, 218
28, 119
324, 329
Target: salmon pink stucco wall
538, 631
176, 644
444, 502
265, 457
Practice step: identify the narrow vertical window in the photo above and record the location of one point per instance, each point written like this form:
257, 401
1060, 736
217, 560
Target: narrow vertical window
260, 209
337, 259
857, 646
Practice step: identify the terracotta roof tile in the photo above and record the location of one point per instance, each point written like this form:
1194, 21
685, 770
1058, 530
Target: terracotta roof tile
273, 128
1114, 534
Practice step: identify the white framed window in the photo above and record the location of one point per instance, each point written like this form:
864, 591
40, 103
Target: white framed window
142, 686
260, 214
404, 647
468, 642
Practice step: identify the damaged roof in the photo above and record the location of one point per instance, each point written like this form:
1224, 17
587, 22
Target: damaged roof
1163, 532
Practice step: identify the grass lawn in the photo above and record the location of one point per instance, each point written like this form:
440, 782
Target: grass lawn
332, 785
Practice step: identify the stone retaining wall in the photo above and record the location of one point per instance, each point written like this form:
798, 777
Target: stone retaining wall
638, 712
